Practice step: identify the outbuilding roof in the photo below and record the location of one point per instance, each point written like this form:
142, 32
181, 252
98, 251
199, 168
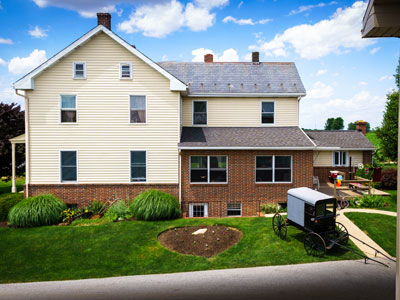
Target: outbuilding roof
344, 139
220, 78
290, 138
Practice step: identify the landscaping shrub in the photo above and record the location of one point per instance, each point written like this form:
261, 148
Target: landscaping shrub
361, 172
366, 201
389, 178
94, 207
269, 208
118, 211
155, 205
37, 211
7, 202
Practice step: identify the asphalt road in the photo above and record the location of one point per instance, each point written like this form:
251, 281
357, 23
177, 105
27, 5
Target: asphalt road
331, 280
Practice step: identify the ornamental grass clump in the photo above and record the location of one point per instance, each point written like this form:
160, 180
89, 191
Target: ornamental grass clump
155, 205
37, 211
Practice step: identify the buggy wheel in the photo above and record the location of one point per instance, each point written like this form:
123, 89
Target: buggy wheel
341, 233
314, 244
279, 226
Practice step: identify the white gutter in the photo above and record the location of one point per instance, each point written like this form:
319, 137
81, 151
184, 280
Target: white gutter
244, 148
248, 95
27, 146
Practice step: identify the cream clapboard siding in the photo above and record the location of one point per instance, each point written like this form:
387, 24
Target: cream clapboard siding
103, 136
324, 158
242, 112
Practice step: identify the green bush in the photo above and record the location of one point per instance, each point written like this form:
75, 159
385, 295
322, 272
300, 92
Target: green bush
37, 211
372, 201
94, 207
270, 208
7, 201
361, 172
118, 211
155, 205
389, 178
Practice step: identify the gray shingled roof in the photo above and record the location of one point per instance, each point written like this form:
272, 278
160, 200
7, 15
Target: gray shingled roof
244, 137
242, 77
346, 139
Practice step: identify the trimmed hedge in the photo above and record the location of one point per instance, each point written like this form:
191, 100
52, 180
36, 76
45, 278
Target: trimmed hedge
7, 201
155, 205
37, 211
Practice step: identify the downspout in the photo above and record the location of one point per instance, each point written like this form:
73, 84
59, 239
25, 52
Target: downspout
27, 148
180, 177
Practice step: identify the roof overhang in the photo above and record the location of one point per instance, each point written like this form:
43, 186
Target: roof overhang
28, 81
20, 139
343, 149
242, 148
381, 19
246, 95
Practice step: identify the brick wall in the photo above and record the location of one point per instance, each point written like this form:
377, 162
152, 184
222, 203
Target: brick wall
82, 194
241, 186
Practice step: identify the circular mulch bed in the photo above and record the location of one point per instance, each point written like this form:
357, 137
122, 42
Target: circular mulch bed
216, 239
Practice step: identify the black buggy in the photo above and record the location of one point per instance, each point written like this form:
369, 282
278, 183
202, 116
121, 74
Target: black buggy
314, 213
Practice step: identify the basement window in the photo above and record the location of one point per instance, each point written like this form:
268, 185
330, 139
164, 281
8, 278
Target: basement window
234, 209
79, 70
198, 210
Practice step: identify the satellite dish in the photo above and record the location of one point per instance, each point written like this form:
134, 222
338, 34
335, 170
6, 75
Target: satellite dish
360, 165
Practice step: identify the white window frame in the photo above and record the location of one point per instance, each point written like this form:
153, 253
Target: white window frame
205, 209
73, 69
193, 124
129, 109
273, 170
267, 124
60, 166
130, 70
227, 209
208, 170
340, 159
130, 166
67, 109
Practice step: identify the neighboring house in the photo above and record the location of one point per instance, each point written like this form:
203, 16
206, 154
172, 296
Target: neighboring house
103, 121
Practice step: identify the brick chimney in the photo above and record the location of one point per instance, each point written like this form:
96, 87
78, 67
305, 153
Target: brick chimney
255, 58
361, 126
104, 19
208, 58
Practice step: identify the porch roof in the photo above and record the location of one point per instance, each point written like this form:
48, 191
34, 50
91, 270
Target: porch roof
344, 139
278, 138
20, 139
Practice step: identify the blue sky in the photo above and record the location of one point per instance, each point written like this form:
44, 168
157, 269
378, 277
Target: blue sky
344, 75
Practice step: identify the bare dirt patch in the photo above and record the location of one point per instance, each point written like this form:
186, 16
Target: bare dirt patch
215, 240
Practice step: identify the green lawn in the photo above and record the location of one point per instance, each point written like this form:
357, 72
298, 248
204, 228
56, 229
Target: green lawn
392, 201
380, 228
5, 186
130, 248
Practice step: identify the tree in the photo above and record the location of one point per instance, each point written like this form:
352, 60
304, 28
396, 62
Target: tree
12, 124
334, 124
397, 75
352, 126
389, 128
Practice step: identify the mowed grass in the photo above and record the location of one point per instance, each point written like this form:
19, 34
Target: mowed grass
390, 200
380, 228
131, 248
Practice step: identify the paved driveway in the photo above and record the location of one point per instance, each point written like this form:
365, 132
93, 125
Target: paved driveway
331, 280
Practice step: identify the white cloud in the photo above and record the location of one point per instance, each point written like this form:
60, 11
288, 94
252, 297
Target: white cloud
320, 90
240, 4
245, 21
159, 20
374, 50
339, 34
363, 83
6, 41
229, 55
386, 77
304, 8
164, 58
2, 62
38, 32
321, 72
21, 65
361, 106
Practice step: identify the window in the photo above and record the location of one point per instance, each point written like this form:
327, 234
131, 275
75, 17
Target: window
138, 109
267, 112
340, 158
126, 70
68, 109
138, 166
325, 209
198, 210
68, 166
208, 169
234, 209
79, 70
199, 112
273, 168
